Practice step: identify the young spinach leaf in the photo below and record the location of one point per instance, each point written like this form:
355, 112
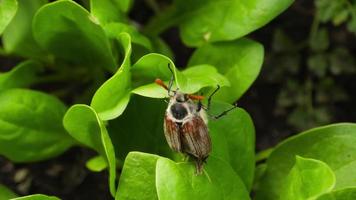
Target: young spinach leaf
240, 61
332, 144
233, 140
343, 194
97, 164
37, 197
84, 125
153, 66
179, 181
202, 21
106, 11
76, 38
18, 38
8, 10
30, 126
137, 180
308, 179
6, 193
111, 99
140, 128
22, 75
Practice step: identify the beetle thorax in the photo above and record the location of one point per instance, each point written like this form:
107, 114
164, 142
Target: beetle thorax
181, 108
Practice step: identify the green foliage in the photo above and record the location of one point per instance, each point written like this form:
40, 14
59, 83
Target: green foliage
178, 181
37, 197
240, 61
84, 124
103, 67
76, 33
6, 193
17, 37
333, 145
22, 75
8, 10
111, 99
305, 100
304, 182
215, 20
30, 125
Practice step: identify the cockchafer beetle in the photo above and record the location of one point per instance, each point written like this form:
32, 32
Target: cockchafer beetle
186, 124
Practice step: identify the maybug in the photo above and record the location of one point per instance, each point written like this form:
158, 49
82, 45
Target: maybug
186, 125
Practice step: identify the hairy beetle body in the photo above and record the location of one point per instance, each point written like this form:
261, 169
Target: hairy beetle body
185, 129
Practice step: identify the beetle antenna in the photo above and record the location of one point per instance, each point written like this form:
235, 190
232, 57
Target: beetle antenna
171, 80
161, 83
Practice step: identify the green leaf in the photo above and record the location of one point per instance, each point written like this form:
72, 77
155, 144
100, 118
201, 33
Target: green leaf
308, 179
114, 29
343, 194
140, 128
22, 75
153, 66
97, 164
84, 125
6, 193
318, 64
326, 10
333, 144
161, 47
106, 11
8, 10
203, 21
233, 140
76, 38
319, 41
240, 61
37, 197
111, 99
30, 126
179, 181
124, 5
18, 38
137, 180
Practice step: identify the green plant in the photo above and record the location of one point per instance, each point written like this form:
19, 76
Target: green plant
66, 47
315, 65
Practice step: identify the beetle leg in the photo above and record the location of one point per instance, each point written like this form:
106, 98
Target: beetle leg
224, 112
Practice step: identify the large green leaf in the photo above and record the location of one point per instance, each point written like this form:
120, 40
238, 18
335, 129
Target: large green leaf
72, 35
218, 20
6, 193
233, 140
106, 11
21, 75
115, 28
179, 181
333, 144
84, 124
8, 10
343, 194
308, 179
240, 61
140, 128
37, 197
18, 38
30, 126
153, 66
203, 21
111, 99
137, 179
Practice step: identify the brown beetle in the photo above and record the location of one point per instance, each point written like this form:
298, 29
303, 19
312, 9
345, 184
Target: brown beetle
185, 124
